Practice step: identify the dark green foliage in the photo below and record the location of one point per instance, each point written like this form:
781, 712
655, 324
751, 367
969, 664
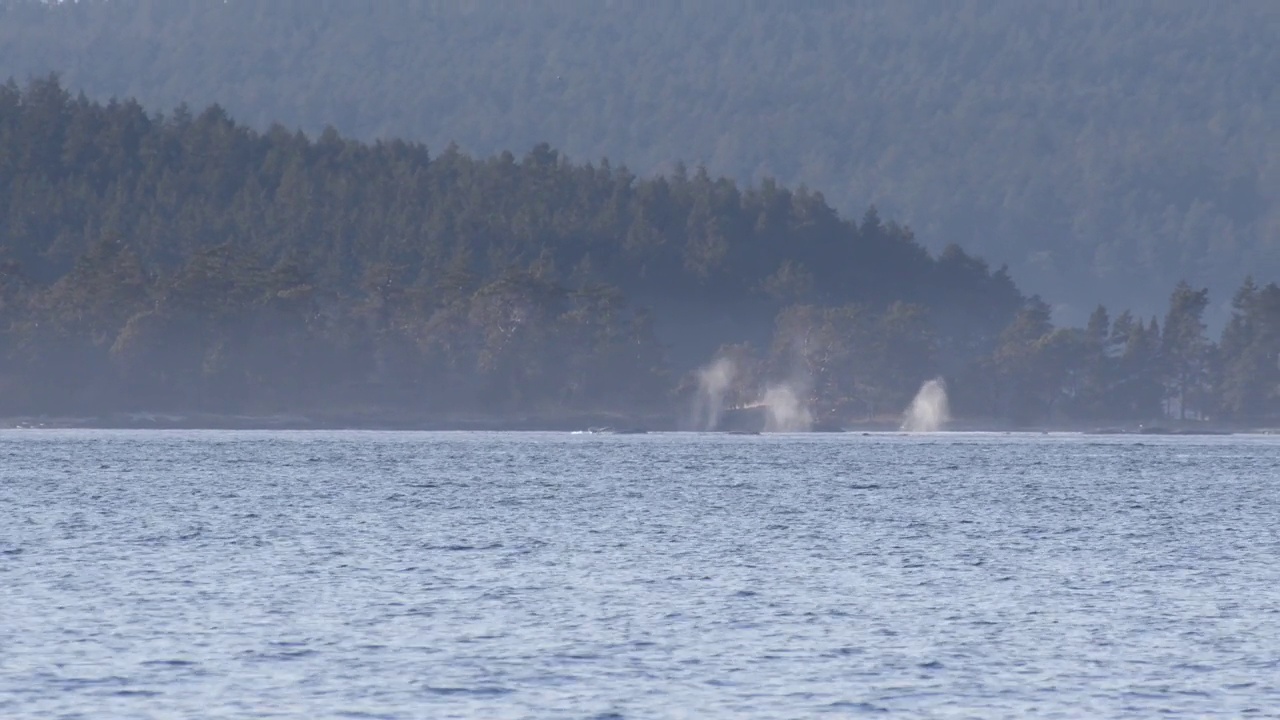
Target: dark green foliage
189, 262
1185, 349
1102, 149
1250, 354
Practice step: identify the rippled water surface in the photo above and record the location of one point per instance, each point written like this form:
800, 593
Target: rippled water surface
405, 575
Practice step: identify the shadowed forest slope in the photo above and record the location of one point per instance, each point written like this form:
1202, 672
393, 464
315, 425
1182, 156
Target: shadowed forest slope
1102, 150
186, 261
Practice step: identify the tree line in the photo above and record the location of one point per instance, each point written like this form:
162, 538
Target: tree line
184, 262
1103, 150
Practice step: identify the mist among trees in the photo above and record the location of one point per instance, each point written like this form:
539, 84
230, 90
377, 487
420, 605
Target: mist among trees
184, 262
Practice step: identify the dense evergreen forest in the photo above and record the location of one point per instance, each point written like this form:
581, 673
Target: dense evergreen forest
183, 262
1102, 150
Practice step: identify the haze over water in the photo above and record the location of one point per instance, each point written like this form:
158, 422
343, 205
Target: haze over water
407, 575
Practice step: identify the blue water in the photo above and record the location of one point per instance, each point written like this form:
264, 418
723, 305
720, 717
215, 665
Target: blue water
403, 575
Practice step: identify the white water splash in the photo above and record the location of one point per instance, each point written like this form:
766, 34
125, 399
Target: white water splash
929, 411
714, 381
785, 411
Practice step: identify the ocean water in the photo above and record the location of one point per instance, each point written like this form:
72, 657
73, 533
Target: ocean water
415, 575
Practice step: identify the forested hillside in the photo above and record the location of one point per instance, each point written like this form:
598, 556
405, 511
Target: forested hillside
187, 261
1102, 150
184, 262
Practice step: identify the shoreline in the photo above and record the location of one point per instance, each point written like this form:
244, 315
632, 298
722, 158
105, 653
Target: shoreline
596, 423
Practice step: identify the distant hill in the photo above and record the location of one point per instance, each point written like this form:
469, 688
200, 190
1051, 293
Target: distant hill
187, 262
1104, 150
